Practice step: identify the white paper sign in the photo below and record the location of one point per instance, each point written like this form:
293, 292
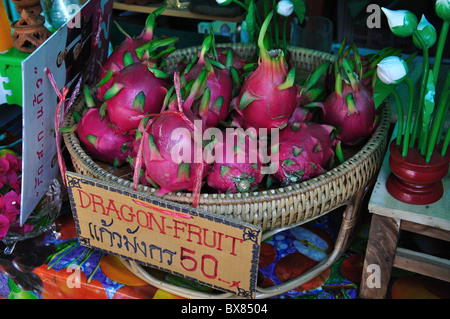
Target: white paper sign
71, 53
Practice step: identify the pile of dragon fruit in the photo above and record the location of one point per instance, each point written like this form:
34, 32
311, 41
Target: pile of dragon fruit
138, 103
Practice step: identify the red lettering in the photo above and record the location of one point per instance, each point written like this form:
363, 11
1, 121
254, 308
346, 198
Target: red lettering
204, 238
161, 227
198, 233
87, 197
183, 257
233, 246
177, 228
99, 203
130, 214
138, 213
214, 268
112, 206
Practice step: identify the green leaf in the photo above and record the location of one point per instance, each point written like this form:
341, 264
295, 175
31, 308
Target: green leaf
246, 99
139, 102
289, 81
88, 97
428, 107
158, 73
315, 76
250, 20
127, 59
381, 92
92, 139
299, 9
113, 90
183, 173
155, 155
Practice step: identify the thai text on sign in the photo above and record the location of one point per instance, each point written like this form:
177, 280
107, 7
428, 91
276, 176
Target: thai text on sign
207, 248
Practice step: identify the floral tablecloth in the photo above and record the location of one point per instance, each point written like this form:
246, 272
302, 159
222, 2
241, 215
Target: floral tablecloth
50, 268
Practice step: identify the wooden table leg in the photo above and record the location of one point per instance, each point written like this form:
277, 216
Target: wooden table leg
380, 253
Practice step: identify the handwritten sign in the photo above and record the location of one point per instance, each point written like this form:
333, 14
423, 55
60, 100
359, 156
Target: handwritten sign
72, 55
207, 248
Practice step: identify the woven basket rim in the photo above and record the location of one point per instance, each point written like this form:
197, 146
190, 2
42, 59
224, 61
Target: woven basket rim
377, 139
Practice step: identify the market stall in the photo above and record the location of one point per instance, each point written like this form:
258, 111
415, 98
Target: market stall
216, 170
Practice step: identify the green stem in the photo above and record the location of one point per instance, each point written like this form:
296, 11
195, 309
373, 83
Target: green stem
423, 86
406, 136
276, 32
440, 49
446, 142
400, 117
266, 7
284, 35
262, 33
445, 106
241, 4
437, 124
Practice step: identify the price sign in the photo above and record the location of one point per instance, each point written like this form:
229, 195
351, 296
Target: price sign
207, 248
71, 54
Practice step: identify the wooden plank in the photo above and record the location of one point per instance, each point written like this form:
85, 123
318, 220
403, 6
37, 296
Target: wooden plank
425, 230
175, 12
421, 263
379, 259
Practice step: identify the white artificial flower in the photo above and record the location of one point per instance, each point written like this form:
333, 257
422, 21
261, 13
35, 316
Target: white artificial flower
427, 32
392, 70
285, 8
443, 9
402, 23
223, 2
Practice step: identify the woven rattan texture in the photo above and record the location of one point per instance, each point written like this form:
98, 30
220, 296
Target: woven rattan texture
274, 208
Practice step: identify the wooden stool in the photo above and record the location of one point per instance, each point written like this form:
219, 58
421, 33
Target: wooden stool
389, 216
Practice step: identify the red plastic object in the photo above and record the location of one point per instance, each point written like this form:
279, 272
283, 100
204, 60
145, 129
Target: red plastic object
413, 180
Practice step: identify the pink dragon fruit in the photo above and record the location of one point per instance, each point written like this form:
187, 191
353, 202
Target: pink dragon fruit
141, 48
238, 168
138, 90
159, 151
350, 108
269, 95
100, 140
303, 114
305, 150
171, 153
215, 92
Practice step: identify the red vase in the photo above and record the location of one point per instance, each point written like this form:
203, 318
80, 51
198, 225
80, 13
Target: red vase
413, 180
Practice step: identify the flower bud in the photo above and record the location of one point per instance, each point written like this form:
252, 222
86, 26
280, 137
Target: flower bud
402, 23
443, 9
427, 32
224, 2
285, 8
392, 70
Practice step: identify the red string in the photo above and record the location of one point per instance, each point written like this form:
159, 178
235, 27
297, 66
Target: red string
58, 123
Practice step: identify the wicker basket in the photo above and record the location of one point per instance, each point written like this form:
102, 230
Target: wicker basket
274, 208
